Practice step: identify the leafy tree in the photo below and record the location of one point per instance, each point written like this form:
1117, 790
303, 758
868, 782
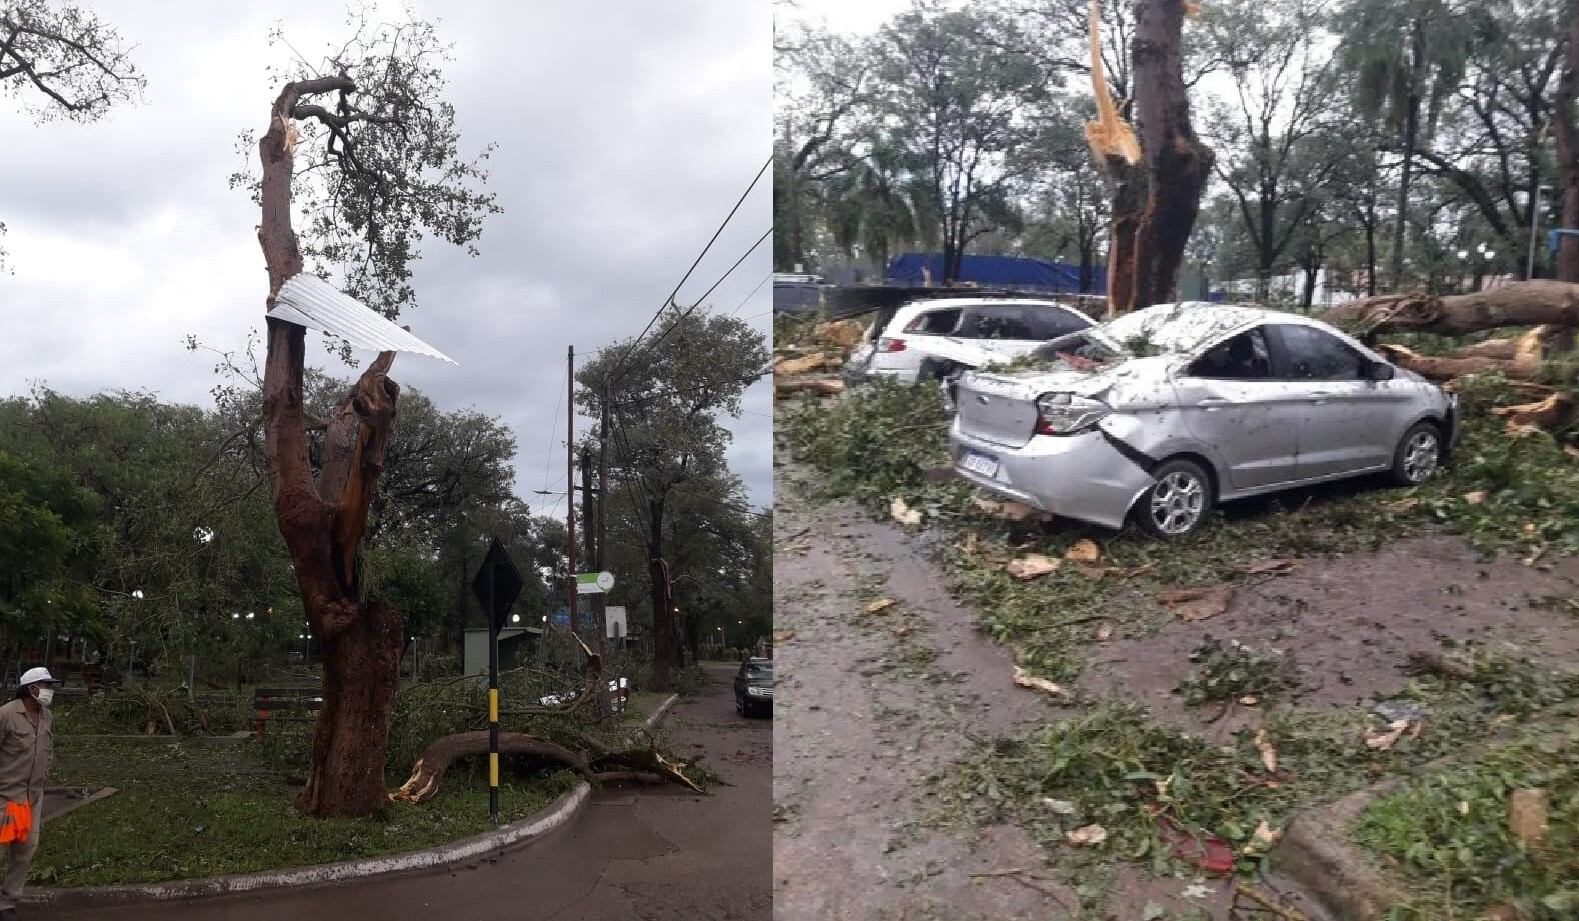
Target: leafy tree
878, 205
48, 527
1407, 57
667, 397
959, 95
61, 61
822, 88
1273, 136
1489, 139
381, 170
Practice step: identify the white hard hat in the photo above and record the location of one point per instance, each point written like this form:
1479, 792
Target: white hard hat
36, 675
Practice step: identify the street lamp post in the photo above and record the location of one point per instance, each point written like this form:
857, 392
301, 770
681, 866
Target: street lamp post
1535, 219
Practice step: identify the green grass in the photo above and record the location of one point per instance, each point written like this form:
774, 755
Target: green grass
203, 809
1449, 837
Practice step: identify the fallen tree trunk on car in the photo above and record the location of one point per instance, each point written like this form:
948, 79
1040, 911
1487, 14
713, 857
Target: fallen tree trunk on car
593, 763
1523, 303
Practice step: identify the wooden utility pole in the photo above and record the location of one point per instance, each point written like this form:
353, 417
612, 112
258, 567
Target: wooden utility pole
570, 488
603, 502
594, 551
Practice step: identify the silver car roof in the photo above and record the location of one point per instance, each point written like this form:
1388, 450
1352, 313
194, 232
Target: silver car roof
1196, 324
908, 310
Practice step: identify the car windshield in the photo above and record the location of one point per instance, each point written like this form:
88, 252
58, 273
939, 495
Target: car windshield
759, 669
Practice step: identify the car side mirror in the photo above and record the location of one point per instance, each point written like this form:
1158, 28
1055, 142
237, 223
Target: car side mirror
1379, 371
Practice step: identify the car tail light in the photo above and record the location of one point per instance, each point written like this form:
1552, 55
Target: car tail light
889, 344
1067, 414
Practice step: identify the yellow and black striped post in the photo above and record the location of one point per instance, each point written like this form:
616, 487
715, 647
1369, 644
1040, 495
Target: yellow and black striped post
497, 584
493, 707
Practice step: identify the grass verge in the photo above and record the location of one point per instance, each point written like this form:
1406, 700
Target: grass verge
203, 809
1449, 835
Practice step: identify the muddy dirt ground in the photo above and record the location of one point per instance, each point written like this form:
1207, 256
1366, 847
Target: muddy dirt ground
1348, 624
867, 707
870, 705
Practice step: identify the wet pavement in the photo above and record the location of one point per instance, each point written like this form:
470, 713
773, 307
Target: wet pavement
647, 854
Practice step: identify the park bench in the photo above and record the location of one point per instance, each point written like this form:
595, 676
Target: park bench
301, 705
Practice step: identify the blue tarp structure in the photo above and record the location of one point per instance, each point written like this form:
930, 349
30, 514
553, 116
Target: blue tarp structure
998, 272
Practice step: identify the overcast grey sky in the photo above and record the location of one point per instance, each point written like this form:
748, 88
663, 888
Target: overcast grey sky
625, 131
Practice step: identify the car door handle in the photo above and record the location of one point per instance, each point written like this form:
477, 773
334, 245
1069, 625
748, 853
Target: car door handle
1212, 404
1321, 397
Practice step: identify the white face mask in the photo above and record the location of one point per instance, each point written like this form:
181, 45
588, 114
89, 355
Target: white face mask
45, 695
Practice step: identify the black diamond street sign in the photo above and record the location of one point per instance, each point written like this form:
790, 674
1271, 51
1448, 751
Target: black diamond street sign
498, 583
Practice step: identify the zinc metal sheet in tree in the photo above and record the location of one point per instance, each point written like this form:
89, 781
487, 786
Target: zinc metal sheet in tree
309, 301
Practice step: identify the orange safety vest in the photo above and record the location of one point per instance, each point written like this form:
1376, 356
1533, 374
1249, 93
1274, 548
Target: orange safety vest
17, 823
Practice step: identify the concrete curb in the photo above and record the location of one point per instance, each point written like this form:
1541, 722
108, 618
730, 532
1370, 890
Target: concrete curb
660, 714
654, 721
536, 826
1316, 854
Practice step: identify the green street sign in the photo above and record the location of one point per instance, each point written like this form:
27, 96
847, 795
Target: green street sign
593, 583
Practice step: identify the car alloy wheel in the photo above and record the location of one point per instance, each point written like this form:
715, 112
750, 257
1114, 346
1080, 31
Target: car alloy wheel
1177, 502
1421, 455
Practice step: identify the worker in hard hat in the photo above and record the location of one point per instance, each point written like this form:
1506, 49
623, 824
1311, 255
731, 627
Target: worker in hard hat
27, 739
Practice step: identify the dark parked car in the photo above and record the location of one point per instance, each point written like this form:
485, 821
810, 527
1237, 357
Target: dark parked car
754, 686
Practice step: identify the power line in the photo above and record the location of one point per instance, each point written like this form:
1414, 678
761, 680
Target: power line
699, 301
670, 299
743, 379
553, 427
753, 293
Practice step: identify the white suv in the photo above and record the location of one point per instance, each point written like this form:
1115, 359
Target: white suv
958, 332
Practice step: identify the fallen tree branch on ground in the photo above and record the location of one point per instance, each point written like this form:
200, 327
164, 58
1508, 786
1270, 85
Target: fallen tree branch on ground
594, 763
821, 386
1447, 367
1555, 412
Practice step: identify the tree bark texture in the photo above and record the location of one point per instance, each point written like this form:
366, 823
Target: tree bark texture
323, 521
1523, 303
1177, 164
1448, 367
1568, 150
661, 599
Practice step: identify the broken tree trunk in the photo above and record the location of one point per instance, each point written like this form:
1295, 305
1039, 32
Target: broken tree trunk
1522, 303
1116, 151
323, 521
1177, 164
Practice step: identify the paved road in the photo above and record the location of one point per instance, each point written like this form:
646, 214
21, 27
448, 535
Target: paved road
648, 855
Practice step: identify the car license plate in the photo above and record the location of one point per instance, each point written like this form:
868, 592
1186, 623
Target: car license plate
983, 464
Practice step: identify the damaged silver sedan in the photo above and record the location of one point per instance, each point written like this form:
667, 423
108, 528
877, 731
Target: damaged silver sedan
1160, 414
